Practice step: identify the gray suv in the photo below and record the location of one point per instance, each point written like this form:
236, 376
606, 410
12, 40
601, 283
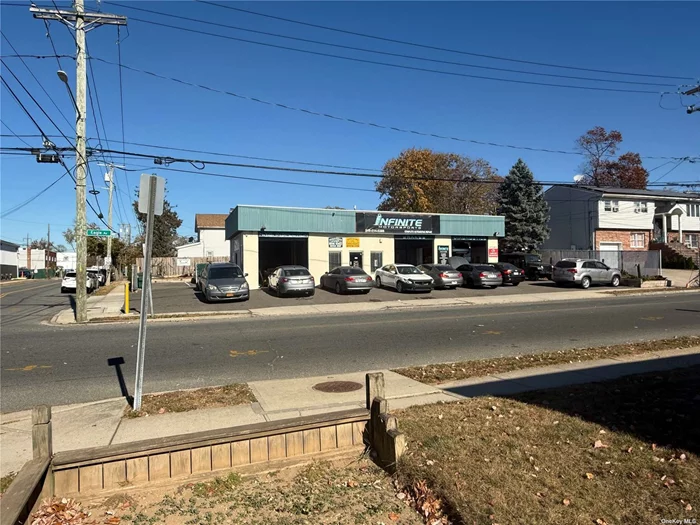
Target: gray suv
585, 272
223, 281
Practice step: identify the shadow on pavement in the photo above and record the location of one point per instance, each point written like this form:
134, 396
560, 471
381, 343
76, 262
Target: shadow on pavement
658, 403
117, 363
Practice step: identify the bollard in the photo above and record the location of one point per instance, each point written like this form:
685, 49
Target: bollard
126, 298
42, 442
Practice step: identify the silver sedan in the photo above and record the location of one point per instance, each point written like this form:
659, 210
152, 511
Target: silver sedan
344, 279
286, 280
481, 275
444, 276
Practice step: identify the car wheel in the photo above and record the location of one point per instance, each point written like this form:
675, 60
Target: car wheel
516, 283
365, 292
615, 281
379, 282
337, 288
493, 287
312, 293
63, 290
399, 287
586, 283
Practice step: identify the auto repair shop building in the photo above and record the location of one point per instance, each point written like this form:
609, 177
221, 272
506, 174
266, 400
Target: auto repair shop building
264, 237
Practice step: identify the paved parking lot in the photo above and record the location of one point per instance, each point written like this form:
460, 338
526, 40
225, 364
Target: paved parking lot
182, 297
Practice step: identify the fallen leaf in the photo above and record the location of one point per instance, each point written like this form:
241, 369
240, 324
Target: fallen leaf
114, 520
393, 516
601, 521
599, 444
653, 446
351, 483
629, 450
682, 457
401, 496
589, 475
430, 463
566, 502
161, 411
602, 432
663, 477
688, 507
440, 416
669, 482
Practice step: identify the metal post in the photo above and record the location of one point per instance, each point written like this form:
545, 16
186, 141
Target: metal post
109, 224
145, 294
80, 167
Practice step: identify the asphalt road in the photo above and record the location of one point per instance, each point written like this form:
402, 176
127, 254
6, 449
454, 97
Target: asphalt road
72, 364
24, 303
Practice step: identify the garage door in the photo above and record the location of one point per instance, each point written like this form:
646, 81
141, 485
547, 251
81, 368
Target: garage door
610, 253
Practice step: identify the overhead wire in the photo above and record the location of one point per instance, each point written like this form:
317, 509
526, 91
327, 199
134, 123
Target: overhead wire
379, 52
121, 113
438, 48
343, 119
14, 134
681, 161
31, 199
397, 66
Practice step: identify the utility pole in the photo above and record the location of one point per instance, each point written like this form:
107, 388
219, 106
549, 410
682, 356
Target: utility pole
48, 238
693, 107
82, 22
109, 179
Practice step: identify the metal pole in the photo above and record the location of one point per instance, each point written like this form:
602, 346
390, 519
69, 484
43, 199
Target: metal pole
141, 349
109, 223
80, 167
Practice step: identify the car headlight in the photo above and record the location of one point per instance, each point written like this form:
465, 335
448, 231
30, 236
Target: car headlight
212, 288
244, 286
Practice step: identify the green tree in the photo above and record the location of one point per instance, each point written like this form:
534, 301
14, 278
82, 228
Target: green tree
525, 210
467, 185
165, 237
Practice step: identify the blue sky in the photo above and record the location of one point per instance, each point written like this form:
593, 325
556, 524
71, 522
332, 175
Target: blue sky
649, 37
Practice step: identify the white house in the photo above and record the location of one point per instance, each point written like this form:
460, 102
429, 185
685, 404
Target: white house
8, 258
37, 259
211, 237
591, 218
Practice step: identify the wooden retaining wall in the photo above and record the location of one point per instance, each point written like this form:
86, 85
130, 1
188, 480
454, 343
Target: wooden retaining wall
248, 448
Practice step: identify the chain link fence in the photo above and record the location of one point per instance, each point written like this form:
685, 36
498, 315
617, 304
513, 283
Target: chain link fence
648, 262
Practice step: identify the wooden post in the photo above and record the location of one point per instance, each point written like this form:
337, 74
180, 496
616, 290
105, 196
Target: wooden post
374, 384
42, 446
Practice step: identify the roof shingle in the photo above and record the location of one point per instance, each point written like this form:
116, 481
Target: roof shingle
210, 221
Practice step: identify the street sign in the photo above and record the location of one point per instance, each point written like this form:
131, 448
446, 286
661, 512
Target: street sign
144, 194
99, 233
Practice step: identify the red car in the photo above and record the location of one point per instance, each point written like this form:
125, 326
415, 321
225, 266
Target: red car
510, 273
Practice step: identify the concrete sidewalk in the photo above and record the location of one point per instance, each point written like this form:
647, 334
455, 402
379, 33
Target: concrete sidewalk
108, 308
101, 423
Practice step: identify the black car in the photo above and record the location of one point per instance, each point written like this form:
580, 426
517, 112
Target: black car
511, 274
532, 263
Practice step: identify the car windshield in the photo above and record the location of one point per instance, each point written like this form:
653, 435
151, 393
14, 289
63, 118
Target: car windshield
484, 268
566, 264
533, 259
408, 269
70, 274
225, 272
508, 266
354, 271
443, 267
296, 272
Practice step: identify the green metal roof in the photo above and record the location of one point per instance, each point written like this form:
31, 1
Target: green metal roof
322, 220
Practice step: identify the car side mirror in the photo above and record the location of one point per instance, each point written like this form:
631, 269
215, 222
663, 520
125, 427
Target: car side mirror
245, 275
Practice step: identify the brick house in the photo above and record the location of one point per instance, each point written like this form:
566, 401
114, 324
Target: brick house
591, 218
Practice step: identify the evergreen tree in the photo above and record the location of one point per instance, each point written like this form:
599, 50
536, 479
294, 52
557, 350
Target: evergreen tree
526, 212
165, 237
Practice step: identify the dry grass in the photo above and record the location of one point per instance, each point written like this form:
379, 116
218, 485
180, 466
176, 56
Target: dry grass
623, 451
104, 290
6, 481
442, 372
186, 400
318, 494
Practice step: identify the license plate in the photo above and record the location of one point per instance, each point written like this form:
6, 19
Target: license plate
229, 295
360, 280
492, 276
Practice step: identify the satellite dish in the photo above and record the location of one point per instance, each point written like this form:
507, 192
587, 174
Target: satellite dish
578, 178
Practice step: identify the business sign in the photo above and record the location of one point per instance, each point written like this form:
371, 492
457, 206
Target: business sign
493, 253
469, 238
352, 242
396, 223
335, 242
284, 235
99, 233
183, 261
443, 254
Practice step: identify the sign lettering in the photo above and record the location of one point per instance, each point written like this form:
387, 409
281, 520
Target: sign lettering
386, 222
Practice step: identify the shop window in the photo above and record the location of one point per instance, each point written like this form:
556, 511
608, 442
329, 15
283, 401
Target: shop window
637, 240
334, 260
376, 260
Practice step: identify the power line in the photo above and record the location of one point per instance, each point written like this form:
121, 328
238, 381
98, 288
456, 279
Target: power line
436, 48
31, 199
14, 134
398, 66
375, 51
669, 171
344, 119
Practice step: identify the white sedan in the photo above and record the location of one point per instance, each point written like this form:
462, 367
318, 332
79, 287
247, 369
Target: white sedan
403, 277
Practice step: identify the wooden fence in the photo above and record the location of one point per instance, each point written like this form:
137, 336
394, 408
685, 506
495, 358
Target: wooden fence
168, 266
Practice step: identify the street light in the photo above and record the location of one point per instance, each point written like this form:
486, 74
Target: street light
63, 77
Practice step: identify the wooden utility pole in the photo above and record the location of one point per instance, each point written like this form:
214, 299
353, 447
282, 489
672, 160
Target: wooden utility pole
109, 176
81, 22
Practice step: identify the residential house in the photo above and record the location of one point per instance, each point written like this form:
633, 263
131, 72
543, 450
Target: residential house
211, 237
8, 258
591, 218
37, 259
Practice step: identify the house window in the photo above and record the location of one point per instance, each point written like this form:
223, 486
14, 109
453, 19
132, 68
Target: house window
613, 206
640, 207
692, 240
334, 260
693, 210
637, 240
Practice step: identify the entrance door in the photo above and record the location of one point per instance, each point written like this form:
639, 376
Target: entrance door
610, 253
356, 259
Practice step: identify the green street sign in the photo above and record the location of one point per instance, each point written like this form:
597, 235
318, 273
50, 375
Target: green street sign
99, 233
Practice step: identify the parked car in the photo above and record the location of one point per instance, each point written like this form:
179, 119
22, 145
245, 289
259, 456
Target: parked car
68, 283
100, 273
223, 282
403, 277
344, 279
94, 277
585, 272
444, 275
532, 263
480, 275
285, 280
510, 273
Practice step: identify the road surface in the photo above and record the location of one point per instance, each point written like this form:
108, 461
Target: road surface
73, 364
